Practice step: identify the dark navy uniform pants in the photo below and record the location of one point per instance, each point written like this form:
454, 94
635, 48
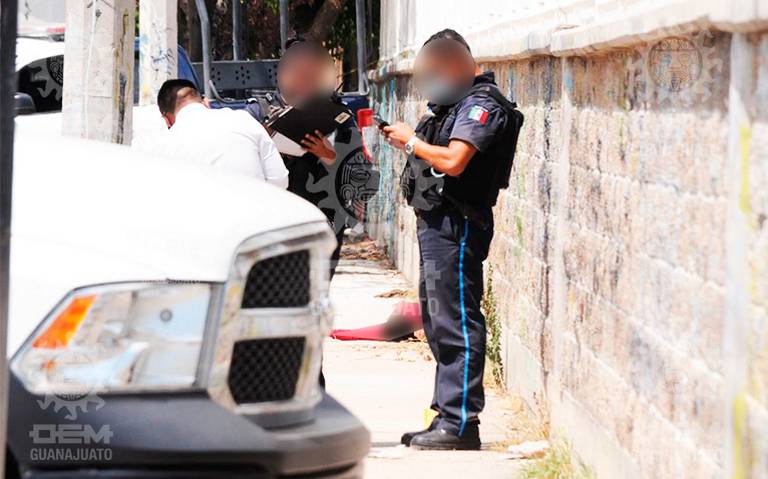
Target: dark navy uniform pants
450, 290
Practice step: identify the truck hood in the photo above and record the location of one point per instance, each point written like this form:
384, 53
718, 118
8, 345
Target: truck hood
30, 50
88, 213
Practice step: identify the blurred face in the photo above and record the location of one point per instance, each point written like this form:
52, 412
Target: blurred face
302, 75
444, 71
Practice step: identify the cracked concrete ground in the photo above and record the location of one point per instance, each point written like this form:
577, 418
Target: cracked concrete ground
389, 385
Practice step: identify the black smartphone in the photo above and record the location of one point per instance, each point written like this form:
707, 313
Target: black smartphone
380, 122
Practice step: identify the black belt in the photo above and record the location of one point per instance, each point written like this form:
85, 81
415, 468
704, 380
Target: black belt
462, 209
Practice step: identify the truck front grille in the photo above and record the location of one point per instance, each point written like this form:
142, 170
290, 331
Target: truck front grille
265, 369
278, 282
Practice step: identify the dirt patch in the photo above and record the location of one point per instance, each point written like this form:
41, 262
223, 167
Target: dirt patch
364, 249
397, 293
409, 350
521, 423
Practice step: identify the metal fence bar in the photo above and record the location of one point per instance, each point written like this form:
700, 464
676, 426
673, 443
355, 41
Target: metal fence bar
205, 31
283, 23
362, 54
237, 29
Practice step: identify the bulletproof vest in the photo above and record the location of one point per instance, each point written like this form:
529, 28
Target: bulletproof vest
488, 172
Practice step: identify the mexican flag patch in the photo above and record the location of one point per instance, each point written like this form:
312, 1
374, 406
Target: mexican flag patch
479, 114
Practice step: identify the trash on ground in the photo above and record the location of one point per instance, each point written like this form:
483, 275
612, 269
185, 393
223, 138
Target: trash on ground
396, 452
528, 450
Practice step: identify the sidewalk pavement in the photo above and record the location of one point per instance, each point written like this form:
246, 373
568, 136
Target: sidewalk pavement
389, 385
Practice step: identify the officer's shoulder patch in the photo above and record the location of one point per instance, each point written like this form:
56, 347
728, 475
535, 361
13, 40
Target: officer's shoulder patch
478, 114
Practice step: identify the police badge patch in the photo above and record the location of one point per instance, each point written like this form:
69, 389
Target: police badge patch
479, 114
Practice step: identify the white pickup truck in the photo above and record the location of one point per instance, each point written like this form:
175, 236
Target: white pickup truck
166, 321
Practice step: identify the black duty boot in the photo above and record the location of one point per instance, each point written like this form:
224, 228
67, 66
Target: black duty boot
443, 440
406, 438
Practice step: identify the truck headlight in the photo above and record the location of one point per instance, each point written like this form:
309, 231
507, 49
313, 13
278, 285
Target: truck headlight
119, 337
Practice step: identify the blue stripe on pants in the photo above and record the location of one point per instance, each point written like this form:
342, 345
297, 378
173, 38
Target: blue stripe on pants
465, 389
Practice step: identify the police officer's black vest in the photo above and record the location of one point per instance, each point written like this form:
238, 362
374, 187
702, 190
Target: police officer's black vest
477, 188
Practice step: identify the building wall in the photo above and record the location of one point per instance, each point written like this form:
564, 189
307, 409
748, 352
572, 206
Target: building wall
38, 14
630, 261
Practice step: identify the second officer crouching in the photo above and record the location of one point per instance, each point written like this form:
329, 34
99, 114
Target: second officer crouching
460, 156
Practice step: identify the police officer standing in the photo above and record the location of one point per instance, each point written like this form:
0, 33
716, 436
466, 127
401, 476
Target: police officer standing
460, 155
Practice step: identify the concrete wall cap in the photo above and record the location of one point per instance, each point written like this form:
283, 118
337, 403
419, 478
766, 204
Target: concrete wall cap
573, 29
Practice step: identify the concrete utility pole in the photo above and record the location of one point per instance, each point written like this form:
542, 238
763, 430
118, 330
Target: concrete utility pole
8, 10
98, 99
158, 46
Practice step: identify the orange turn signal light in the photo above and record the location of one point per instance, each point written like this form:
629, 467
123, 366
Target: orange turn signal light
64, 327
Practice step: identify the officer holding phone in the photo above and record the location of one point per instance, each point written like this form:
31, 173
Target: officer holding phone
459, 158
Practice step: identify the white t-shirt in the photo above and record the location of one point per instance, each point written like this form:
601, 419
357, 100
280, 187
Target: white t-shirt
231, 140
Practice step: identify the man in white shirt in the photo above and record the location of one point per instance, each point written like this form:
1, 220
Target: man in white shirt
223, 138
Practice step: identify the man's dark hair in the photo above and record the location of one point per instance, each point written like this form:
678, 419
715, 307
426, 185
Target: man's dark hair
450, 35
169, 92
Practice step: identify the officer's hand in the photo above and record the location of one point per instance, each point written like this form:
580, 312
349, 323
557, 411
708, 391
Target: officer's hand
319, 146
398, 134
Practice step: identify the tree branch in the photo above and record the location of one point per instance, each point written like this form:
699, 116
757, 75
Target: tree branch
324, 20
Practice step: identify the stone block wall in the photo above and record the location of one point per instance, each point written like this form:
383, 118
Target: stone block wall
644, 224
391, 221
